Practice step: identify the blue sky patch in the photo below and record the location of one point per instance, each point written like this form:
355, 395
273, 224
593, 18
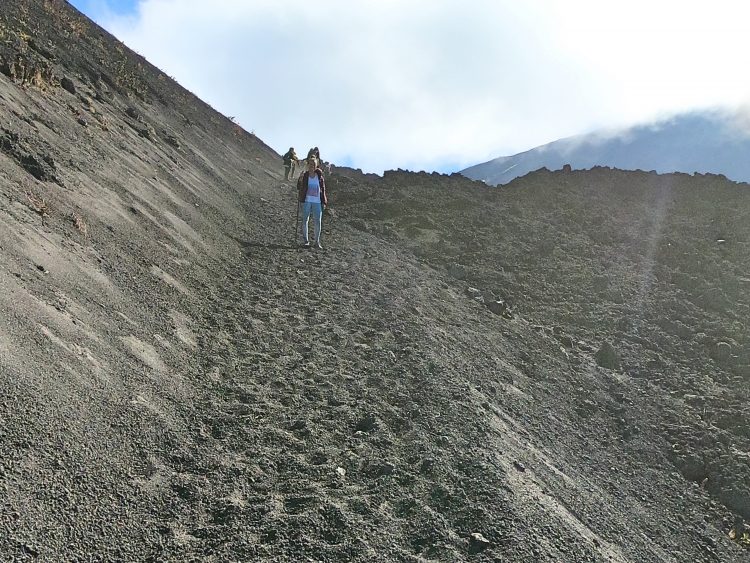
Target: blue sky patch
94, 8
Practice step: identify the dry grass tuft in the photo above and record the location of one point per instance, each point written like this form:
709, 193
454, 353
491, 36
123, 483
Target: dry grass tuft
37, 203
80, 224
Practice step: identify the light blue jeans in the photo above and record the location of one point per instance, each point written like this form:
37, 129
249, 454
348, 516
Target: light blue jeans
316, 210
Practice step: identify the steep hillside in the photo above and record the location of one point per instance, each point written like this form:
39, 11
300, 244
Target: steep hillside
647, 273
180, 382
704, 142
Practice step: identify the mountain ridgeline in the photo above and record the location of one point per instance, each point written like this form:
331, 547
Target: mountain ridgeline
702, 142
557, 370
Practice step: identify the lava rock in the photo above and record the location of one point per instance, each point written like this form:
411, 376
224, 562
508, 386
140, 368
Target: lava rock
477, 543
475, 294
499, 307
172, 140
428, 464
366, 424
607, 357
67, 84
565, 340
722, 351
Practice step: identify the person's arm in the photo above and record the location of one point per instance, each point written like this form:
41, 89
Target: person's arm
323, 194
300, 181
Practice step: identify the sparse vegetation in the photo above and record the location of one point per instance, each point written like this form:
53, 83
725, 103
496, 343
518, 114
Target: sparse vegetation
742, 538
103, 121
80, 224
37, 204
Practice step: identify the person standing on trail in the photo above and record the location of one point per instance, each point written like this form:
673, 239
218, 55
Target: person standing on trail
290, 159
311, 195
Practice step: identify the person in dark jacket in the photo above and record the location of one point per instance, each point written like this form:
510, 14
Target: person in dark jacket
311, 195
290, 160
315, 153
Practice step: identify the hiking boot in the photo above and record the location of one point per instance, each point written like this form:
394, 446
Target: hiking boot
318, 246
306, 244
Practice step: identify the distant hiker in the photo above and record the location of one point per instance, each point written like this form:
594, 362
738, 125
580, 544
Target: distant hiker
290, 159
314, 153
311, 195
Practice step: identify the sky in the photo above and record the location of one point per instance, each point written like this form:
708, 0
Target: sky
440, 84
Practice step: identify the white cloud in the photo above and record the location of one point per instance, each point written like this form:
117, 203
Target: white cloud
436, 84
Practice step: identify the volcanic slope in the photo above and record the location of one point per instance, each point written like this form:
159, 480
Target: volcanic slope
649, 273
179, 382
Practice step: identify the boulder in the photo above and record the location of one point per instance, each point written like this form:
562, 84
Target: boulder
607, 356
68, 85
565, 340
477, 543
498, 307
475, 294
721, 352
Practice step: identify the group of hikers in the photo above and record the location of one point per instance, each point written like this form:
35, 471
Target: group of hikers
291, 160
311, 193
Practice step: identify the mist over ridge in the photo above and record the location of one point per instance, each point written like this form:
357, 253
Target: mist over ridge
711, 141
